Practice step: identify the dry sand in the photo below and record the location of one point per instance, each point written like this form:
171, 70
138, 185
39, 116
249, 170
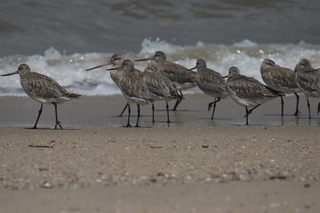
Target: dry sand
192, 165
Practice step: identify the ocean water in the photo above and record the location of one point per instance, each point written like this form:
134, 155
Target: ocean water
63, 38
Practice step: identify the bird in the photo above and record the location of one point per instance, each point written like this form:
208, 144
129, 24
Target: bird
160, 87
210, 83
43, 89
308, 80
247, 91
181, 77
280, 79
115, 60
133, 88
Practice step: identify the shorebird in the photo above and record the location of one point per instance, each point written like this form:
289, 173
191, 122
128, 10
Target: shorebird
133, 88
280, 79
247, 91
308, 80
115, 60
210, 83
42, 89
160, 87
181, 77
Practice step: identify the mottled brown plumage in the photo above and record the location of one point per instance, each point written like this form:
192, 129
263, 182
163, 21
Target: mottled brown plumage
308, 80
160, 87
42, 89
115, 60
281, 79
210, 83
133, 88
181, 77
247, 91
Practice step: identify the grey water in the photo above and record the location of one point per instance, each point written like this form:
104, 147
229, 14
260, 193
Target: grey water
29, 27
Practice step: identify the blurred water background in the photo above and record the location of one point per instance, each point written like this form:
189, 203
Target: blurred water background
63, 38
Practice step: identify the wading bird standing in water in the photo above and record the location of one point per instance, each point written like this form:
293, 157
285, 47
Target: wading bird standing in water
116, 60
280, 79
210, 83
308, 80
181, 77
43, 89
247, 91
133, 88
160, 87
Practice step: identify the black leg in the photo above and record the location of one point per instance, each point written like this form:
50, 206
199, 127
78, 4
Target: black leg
129, 113
178, 101
138, 118
124, 109
282, 103
152, 113
308, 107
40, 111
214, 103
167, 107
56, 112
249, 112
297, 106
247, 116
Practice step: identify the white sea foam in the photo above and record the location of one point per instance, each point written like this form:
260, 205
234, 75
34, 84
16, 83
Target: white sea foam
69, 70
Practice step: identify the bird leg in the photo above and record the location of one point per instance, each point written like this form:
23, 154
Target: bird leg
138, 118
214, 106
248, 112
167, 107
282, 103
40, 111
152, 113
129, 113
124, 109
308, 107
56, 112
247, 115
297, 106
178, 101
318, 108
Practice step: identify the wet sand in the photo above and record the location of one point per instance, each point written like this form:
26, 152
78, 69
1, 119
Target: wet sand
191, 165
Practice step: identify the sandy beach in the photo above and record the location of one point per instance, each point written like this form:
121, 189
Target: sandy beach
193, 164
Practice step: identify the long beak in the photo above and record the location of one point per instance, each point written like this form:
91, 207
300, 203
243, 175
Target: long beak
145, 59
225, 76
102, 65
13, 73
115, 68
193, 68
313, 70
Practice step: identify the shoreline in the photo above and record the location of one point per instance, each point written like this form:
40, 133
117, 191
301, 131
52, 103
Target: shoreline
192, 165
102, 112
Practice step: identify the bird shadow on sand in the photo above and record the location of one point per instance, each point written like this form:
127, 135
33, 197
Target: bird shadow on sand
47, 128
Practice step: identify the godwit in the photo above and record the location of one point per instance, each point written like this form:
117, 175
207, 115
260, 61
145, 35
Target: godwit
181, 77
115, 60
280, 79
308, 80
42, 89
210, 83
160, 87
247, 91
133, 88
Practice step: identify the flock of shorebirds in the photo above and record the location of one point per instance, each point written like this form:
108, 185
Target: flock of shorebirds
163, 80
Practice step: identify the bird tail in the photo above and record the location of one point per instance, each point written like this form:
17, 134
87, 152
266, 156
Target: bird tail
275, 92
72, 95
